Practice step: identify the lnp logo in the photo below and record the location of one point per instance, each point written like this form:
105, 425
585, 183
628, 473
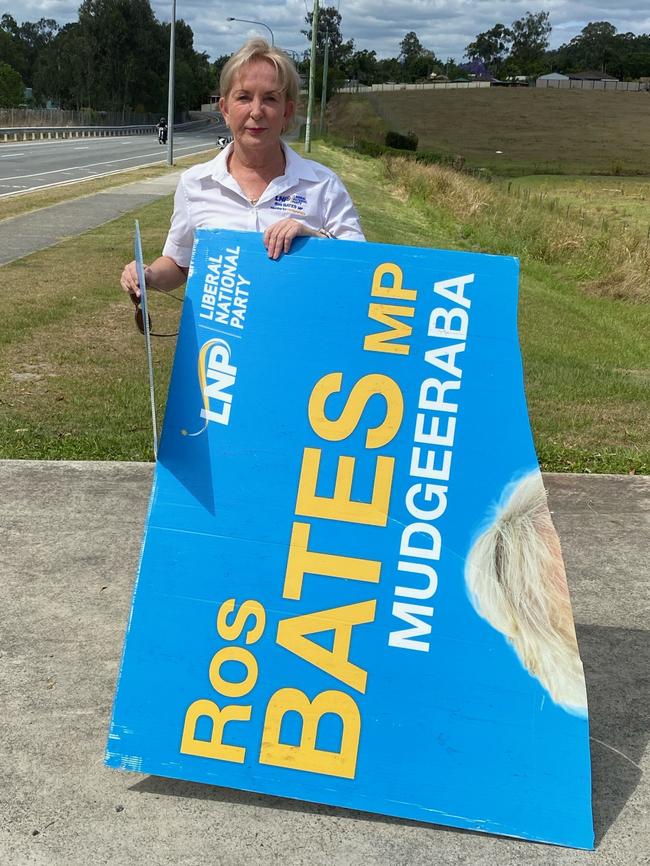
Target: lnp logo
216, 376
293, 203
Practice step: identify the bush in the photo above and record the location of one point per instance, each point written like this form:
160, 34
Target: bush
428, 157
402, 142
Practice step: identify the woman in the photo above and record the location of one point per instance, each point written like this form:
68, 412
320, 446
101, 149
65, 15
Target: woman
257, 183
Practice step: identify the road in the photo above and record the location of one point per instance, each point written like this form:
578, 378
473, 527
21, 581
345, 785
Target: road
32, 165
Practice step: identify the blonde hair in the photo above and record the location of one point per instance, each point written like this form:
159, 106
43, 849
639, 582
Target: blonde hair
516, 581
259, 49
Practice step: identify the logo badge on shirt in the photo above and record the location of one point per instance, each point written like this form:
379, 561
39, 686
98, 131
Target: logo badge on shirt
293, 203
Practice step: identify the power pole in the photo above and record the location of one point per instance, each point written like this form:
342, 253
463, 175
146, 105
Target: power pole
312, 77
170, 88
323, 95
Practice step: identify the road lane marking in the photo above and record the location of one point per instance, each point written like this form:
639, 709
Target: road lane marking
95, 176
93, 164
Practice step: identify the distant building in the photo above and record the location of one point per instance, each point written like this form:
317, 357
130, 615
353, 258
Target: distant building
591, 75
476, 70
553, 76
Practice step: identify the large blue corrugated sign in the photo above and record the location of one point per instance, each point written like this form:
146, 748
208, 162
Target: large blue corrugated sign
351, 591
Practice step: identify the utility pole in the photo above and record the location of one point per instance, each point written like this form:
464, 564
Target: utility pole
170, 88
323, 95
312, 77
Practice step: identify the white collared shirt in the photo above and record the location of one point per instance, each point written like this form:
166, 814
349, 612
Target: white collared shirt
208, 196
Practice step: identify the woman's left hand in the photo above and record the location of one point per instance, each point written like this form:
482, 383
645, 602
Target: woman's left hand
279, 237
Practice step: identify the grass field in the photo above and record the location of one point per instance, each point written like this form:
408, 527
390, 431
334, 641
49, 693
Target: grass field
72, 367
620, 204
539, 131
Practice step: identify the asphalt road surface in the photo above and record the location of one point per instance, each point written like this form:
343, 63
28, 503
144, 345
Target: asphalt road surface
31, 165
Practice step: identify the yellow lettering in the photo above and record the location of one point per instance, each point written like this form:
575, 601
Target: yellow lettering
229, 688
214, 747
341, 506
303, 561
306, 756
231, 631
362, 392
395, 290
384, 314
340, 620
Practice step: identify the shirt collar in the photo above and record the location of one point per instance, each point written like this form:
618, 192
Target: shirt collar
296, 168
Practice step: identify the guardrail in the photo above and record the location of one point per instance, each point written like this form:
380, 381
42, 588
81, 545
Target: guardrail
36, 133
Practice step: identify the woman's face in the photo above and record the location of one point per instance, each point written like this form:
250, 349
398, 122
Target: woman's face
254, 109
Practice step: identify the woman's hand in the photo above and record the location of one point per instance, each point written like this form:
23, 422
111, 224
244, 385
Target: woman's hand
279, 237
129, 280
163, 274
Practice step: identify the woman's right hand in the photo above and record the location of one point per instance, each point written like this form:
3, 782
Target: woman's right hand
129, 280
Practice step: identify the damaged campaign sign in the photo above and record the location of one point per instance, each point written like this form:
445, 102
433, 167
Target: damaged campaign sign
351, 591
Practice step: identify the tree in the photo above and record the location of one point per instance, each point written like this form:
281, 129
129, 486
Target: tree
218, 65
491, 47
600, 47
34, 37
60, 71
12, 51
529, 42
126, 48
339, 52
194, 77
362, 66
595, 46
329, 22
417, 61
452, 69
388, 69
21, 45
12, 89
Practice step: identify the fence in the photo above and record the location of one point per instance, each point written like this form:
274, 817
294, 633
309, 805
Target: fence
586, 84
51, 117
429, 85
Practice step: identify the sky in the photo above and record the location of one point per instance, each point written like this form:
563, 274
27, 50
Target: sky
443, 26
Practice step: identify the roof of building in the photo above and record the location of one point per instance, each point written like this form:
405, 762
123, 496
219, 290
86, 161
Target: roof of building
592, 75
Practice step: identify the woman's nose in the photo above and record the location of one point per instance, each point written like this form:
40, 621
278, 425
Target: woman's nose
256, 108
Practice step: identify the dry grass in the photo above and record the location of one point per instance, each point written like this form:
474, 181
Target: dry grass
537, 130
354, 118
627, 283
611, 265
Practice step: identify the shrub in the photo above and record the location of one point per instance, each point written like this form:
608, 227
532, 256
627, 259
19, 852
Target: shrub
402, 142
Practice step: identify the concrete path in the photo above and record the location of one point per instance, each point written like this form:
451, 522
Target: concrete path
22, 235
71, 535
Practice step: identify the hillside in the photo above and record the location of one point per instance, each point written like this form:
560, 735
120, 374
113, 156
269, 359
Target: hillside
538, 131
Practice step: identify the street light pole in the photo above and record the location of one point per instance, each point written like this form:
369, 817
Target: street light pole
312, 78
170, 87
323, 95
260, 23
